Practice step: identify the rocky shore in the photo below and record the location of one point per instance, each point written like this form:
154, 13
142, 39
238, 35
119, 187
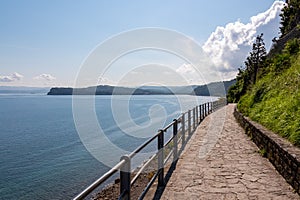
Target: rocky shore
112, 191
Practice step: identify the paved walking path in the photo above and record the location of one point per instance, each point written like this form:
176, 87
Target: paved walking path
221, 162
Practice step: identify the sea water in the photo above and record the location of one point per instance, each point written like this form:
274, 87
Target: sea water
41, 153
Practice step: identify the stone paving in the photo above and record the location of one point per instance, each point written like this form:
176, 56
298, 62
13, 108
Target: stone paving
221, 162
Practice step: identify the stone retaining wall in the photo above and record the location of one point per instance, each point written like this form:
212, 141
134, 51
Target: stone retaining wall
282, 154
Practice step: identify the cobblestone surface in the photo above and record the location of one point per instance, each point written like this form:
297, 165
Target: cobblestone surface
221, 162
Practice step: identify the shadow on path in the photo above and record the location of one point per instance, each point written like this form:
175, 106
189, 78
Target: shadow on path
160, 190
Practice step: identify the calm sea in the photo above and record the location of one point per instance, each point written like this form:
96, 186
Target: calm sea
41, 154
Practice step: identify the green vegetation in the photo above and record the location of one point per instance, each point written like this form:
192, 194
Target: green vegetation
290, 16
275, 100
248, 76
268, 88
263, 152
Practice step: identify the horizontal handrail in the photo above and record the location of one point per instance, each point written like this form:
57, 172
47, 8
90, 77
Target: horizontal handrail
189, 120
137, 150
168, 157
179, 139
134, 179
99, 181
169, 141
168, 126
148, 186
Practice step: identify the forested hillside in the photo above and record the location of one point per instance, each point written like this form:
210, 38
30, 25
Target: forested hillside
267, 88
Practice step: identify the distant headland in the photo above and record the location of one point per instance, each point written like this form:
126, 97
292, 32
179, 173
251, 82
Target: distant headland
211, 89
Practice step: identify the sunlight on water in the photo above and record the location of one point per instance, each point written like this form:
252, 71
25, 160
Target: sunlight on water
41, 153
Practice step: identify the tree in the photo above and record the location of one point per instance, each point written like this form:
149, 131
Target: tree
239, 88
248, 75
290, 16
256, 58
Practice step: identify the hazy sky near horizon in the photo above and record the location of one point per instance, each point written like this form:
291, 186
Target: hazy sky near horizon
44, 43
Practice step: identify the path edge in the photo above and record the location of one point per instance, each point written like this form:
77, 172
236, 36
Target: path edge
281, 153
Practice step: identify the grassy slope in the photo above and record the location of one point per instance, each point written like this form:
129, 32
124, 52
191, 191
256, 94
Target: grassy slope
274, 101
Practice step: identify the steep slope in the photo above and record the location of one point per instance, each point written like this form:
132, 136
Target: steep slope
274, 101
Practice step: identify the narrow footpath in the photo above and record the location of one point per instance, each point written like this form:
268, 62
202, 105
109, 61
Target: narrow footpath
221, 162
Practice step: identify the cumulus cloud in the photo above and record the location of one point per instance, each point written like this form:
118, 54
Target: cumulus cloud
229, 46
11, 78
47, 77
188, 72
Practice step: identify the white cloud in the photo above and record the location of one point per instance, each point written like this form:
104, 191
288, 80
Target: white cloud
105, 81
186, 69
190, 74
47, 77
11, 78
229, 46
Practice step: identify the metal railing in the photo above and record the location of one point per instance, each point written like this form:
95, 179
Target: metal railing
182, 129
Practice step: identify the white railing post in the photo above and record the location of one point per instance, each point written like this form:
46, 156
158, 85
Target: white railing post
125, 178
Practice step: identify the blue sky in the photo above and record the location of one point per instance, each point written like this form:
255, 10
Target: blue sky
43, 43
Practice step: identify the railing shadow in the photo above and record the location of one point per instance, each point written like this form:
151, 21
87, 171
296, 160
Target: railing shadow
160, 190
182, 129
